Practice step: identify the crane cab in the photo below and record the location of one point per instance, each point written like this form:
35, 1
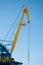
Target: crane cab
4, 54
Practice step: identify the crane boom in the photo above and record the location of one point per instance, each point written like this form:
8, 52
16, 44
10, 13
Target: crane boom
25, 11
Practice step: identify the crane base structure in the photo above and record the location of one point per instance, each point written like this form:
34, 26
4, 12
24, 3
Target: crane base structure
11, 63
6, 56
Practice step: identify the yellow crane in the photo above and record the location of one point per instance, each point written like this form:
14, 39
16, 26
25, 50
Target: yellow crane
6, 58
25, 11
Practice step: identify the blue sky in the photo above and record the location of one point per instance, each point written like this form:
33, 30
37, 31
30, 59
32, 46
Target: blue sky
8, 12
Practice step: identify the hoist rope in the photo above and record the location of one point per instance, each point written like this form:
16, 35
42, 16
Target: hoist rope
28, 41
